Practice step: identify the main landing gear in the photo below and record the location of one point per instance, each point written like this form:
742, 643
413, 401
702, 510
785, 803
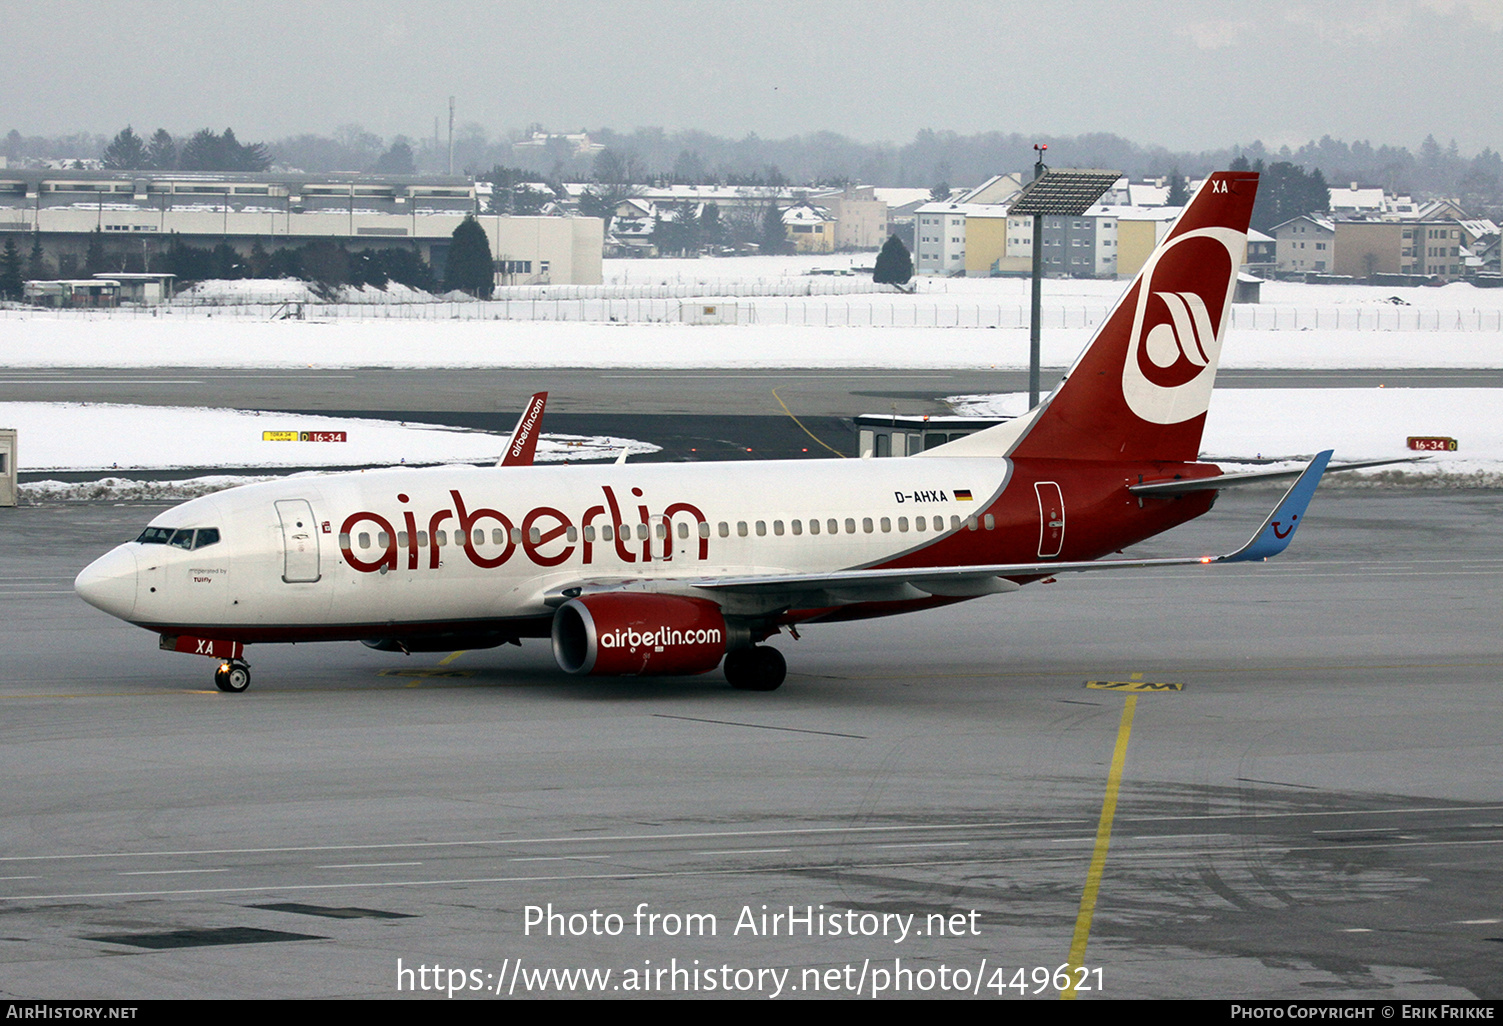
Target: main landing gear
233, 676
758, 668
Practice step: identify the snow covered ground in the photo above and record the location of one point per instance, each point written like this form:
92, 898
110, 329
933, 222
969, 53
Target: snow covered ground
1287, 424
197, 341
103, 437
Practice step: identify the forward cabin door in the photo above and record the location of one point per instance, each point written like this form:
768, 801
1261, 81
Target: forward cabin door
299, 541
1051, 518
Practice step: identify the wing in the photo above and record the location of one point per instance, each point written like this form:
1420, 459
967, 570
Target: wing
1269, 540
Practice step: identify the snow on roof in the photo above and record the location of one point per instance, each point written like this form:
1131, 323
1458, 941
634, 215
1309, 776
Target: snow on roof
896, 197
1357, 199
1147, 195
804, 213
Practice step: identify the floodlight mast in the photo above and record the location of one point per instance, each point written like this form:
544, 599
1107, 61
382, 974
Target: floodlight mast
1035, 313
1056, 193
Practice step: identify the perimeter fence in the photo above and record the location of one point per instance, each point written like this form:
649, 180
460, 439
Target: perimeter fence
899, 311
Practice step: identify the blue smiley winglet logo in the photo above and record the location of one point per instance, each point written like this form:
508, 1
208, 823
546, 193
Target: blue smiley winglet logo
1278, 530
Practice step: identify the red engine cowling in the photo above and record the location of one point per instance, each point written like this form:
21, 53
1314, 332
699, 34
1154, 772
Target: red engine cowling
635, 634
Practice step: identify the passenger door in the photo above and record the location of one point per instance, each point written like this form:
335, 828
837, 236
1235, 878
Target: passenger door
299, 541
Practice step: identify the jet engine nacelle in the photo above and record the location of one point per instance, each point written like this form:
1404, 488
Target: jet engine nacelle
634, 634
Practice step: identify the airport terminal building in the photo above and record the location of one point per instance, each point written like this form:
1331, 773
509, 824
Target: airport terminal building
139, 215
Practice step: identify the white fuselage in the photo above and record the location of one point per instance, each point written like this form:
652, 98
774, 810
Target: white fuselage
363, 553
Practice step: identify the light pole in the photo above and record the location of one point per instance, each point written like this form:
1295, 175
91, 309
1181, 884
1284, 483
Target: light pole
1052, 193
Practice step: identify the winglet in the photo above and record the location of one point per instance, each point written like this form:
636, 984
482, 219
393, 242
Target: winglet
524, 437
1278, 530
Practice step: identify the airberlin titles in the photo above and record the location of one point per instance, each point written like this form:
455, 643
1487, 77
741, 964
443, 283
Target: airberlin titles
546, 535
539, 529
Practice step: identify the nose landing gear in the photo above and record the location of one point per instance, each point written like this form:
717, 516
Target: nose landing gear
233, 676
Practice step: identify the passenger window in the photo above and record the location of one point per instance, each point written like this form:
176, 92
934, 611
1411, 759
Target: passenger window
798, 527
920, 524
954, 523
833, 526
498, 536
605, 533
208, 536
683, 530
344, 539
516, 536
970, 523
440, 538
479, 536
989, 522
535, 535
886, 525
571, 533
704, 528
850, 525
642, 532
939, 523
401, 539
814, 527
866, 524
777, 528
589, 533
383, 540
661, 530
761, 528
741, 528
422, 539
902, 525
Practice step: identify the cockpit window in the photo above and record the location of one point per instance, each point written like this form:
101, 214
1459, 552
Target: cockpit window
186, 538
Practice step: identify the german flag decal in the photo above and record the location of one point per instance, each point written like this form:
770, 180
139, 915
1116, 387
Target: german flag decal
962, 495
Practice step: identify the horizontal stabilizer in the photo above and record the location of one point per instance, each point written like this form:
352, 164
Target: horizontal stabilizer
1212, 484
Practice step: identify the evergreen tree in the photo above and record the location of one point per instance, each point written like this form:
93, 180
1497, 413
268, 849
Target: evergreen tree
94, 259
161, 152
894, 265
469, 267
396, 161
11, 281
37, 268
126, 152
774, 234
1179, 193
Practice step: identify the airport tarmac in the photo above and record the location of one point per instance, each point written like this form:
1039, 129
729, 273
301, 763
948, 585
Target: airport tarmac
1315, 815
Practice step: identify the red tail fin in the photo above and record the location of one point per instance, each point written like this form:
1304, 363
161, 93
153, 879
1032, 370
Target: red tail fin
1141, 388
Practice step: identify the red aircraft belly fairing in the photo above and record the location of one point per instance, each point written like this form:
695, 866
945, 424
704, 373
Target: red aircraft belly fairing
678, 568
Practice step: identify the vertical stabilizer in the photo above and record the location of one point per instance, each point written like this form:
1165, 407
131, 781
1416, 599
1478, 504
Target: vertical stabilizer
1141, 389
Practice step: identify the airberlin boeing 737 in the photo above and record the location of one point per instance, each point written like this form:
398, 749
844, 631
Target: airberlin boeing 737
677, 568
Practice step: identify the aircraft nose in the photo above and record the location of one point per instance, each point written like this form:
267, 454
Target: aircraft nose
109, 583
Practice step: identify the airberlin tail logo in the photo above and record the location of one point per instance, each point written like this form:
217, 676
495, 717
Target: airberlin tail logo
1183, 296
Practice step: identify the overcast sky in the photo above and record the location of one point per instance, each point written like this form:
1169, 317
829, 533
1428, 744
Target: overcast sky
1186, 75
